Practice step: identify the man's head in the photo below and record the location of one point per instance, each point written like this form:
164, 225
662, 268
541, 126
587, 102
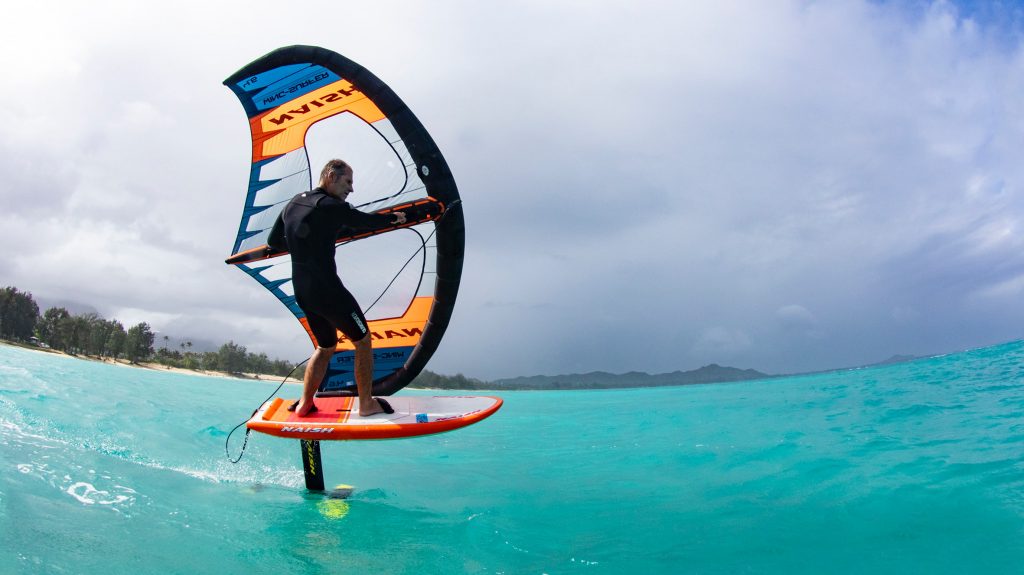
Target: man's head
336, 179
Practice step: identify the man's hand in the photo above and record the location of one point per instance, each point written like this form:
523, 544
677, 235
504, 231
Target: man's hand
399, 218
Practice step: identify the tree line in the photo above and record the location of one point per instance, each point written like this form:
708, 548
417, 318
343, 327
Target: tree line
430, 380
91, 335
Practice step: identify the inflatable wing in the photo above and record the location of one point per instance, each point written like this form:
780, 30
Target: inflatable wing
306, 105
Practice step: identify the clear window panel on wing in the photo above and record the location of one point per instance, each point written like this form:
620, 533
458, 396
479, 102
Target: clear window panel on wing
368, 266
378, 167
414, 188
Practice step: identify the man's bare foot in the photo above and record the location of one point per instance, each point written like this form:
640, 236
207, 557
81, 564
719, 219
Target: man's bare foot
304, 409
369, 408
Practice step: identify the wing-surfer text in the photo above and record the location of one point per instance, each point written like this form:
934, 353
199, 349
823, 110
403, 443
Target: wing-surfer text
295, 87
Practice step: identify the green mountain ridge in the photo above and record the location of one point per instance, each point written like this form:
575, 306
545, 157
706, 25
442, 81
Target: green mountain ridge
712, 373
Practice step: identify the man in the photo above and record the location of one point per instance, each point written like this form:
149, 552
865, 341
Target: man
308, 228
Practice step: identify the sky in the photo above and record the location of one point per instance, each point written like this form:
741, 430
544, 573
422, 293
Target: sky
648, 186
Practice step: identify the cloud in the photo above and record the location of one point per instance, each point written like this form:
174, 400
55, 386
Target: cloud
647, 186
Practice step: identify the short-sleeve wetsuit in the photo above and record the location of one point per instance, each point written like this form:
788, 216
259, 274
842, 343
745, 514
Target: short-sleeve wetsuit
308, 227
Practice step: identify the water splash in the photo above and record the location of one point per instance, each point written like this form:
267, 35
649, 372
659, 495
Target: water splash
88, 494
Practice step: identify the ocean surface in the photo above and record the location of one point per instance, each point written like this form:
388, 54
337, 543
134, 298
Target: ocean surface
909, 468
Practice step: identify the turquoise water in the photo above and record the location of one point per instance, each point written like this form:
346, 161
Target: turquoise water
912, 468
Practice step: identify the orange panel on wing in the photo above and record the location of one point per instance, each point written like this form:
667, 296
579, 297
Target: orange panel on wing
283, 129
398, 331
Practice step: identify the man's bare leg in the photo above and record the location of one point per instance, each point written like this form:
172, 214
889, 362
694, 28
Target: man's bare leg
364, 377
315, 370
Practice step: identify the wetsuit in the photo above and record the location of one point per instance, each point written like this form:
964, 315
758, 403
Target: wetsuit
308, 227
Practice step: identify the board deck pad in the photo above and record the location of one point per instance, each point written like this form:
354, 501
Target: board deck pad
337, 418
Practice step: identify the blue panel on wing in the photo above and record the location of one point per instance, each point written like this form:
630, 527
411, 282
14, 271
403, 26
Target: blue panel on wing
293, 87
264, 79
341, 371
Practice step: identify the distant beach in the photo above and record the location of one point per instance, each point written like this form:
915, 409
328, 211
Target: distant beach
155, 366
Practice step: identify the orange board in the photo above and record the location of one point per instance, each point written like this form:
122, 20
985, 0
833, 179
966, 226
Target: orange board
336, 419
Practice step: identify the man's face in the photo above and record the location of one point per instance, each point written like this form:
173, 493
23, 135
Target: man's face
339, 184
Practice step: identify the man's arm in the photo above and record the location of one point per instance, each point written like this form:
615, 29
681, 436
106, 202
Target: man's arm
353, 218
276, 241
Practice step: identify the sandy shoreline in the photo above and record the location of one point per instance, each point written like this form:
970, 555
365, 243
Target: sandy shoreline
157, 366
